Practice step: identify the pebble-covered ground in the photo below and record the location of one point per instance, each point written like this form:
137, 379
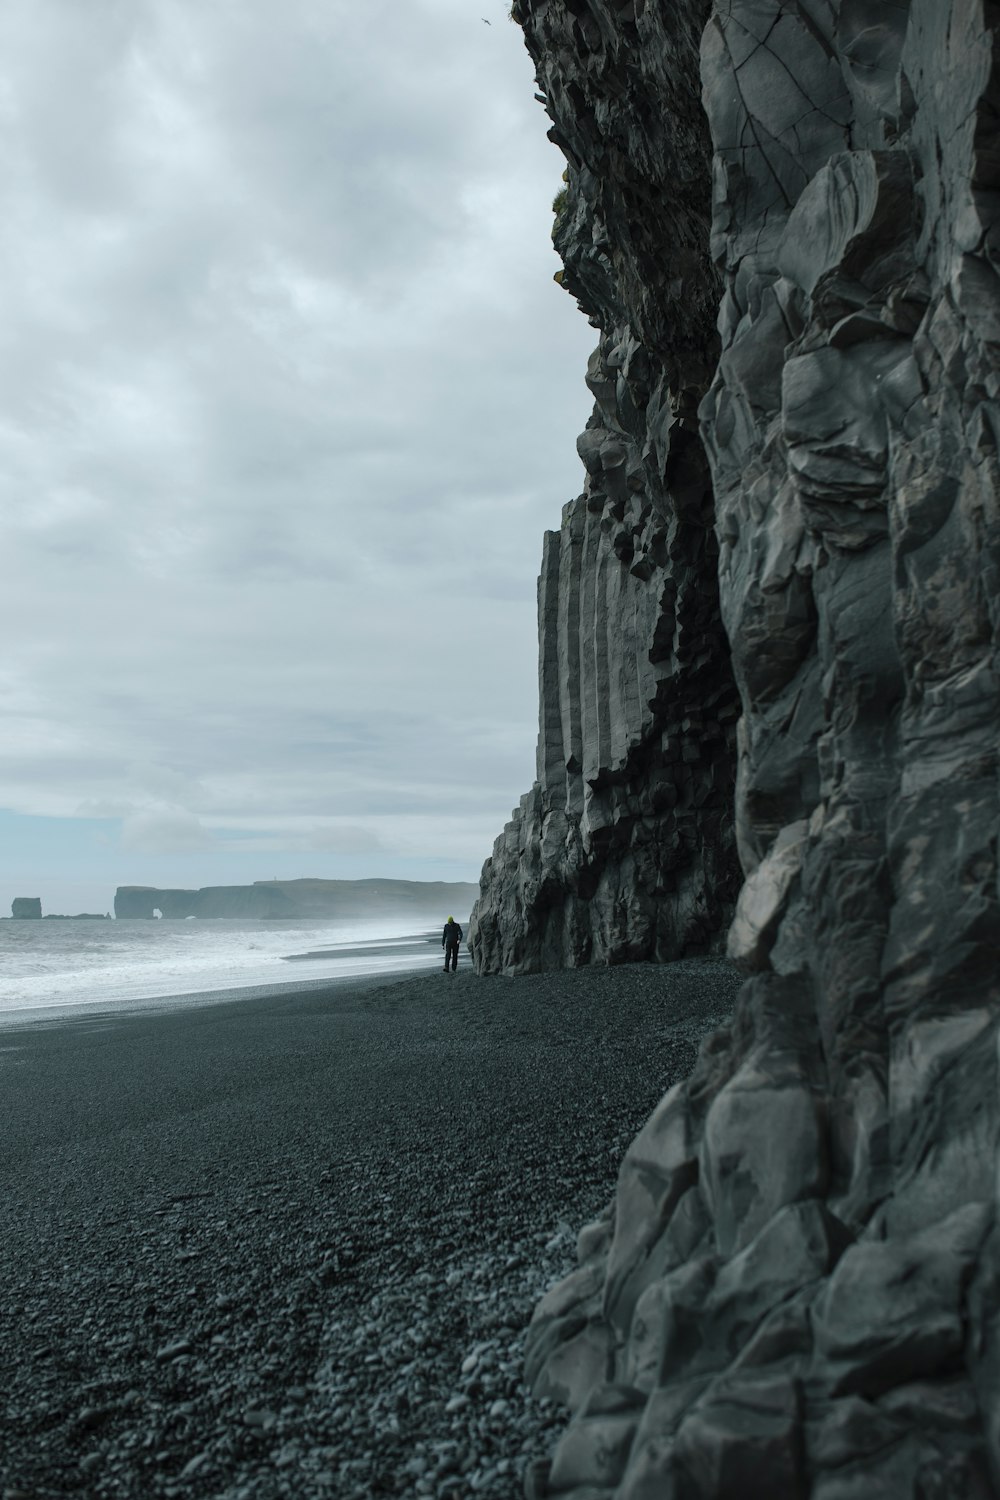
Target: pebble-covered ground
289, 1246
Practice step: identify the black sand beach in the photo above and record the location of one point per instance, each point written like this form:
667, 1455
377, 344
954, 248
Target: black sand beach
287, 1245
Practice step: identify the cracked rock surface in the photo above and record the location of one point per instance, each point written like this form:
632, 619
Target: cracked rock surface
624, 849
797, 1293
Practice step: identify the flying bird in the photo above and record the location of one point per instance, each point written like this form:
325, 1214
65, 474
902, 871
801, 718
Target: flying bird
485, 22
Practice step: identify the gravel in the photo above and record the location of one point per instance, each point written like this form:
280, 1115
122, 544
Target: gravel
289, 1245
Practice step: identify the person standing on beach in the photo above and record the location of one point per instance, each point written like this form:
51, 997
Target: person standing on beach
450, 939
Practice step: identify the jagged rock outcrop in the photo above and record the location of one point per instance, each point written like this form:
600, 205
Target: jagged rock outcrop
26, 907
420, 900
624, 848
796, 1291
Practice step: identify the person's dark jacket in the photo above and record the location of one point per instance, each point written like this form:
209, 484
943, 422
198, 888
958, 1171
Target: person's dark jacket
452, 935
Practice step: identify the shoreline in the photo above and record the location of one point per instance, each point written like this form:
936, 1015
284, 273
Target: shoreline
145, 968
177, 1001
289, 1245
185, 1001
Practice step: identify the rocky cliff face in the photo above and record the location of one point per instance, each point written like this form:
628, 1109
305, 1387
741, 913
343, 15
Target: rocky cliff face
624, 848
797, 1289
418, 901
262, 901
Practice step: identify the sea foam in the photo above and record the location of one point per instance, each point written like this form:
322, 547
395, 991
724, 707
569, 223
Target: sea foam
67, 966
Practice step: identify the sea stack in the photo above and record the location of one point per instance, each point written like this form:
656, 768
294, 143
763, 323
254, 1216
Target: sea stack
26, 908
795, 1291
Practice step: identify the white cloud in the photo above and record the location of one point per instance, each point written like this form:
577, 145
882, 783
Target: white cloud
167, 830
287, 399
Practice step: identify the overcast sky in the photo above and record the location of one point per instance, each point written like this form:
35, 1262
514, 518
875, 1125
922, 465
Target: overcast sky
287, 398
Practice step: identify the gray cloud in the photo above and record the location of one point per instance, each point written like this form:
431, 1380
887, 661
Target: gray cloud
287, 398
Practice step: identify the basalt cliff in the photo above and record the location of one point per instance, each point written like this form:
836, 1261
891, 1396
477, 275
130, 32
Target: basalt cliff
624, 848
785, 215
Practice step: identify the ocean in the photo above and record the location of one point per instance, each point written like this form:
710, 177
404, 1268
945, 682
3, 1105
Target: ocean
51, 969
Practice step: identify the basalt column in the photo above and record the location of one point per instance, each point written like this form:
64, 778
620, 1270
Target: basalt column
624, 848
797, 1289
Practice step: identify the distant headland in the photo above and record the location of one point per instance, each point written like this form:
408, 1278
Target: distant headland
425, 899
